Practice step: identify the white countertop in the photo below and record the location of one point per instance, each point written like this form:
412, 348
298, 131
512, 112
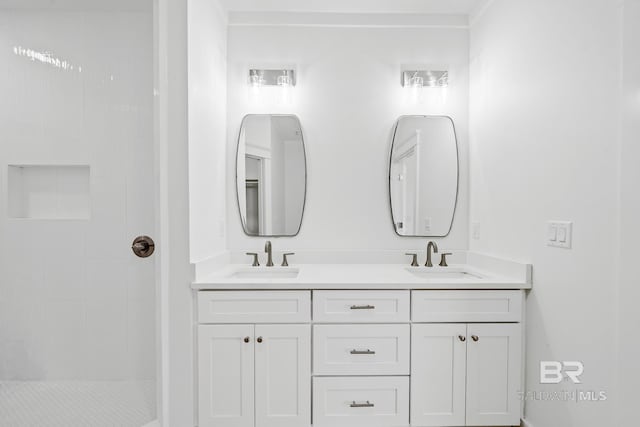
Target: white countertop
367, 276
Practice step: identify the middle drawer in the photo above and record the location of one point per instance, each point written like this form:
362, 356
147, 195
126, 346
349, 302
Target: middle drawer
361, 349
361, 306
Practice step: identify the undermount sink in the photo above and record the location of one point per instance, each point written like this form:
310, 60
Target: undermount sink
442, 273
265, 273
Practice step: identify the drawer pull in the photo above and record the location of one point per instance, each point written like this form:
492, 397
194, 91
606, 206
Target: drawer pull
363, 307
354, 351
361, 405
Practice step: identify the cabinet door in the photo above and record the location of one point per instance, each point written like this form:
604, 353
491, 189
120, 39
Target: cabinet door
438, 359
226, 375
283, 375
493, 374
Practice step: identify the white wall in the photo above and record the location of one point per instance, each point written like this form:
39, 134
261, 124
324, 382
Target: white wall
207, 59
348, 97
629, 316
75, 304
544, 131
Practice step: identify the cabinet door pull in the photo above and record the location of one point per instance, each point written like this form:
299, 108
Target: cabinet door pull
363, 307
367, 351
475, 338
246, 339
259, 340
368, 404
462, 338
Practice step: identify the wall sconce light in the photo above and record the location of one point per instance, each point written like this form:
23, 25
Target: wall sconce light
282, 78
256, 79
417, 79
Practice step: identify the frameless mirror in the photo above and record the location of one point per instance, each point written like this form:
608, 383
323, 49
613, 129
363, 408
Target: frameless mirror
423, 176
271, 175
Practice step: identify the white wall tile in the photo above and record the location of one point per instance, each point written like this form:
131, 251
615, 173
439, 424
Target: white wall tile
65, 326
65, 285
106, 339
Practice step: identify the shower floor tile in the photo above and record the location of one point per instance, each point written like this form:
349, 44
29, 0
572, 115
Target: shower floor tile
77, 403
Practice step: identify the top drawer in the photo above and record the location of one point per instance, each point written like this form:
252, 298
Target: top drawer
466, 306
254, 306
361, 306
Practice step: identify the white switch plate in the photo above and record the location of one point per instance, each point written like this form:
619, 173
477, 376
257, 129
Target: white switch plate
427, 225
559, 234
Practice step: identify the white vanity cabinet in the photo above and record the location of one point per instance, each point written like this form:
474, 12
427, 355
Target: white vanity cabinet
254, 374
466, 374
359, 358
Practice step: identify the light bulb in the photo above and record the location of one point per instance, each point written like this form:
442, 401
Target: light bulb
416, 82
284, 80
256, 79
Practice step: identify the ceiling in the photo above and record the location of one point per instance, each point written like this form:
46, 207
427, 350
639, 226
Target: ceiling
79, 5
455, 7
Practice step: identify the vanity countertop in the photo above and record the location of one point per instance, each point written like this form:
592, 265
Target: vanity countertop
362, 276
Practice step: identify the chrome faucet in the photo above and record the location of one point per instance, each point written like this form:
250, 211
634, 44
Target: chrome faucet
267, 249
434, 247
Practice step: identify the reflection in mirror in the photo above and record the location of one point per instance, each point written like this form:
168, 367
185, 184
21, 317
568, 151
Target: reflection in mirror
271, 175
423, 176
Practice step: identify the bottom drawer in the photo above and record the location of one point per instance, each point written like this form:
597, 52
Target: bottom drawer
360, 401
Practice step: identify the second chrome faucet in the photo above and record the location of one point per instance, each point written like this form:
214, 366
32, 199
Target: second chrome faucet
269, 251
432, 248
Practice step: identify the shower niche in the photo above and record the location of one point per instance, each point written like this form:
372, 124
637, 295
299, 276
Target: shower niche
49, 192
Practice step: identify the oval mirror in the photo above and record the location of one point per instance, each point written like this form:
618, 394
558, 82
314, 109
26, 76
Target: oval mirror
271, 175
423, 176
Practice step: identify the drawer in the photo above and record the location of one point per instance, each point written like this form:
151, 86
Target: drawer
466, 306
254, 306
360, 401
361, 306
361, 349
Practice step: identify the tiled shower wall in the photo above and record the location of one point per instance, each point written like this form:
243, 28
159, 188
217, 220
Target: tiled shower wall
74, 302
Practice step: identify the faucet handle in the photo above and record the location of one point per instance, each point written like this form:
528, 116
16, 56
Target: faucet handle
255, 259
443, 259
285, 263
414, 260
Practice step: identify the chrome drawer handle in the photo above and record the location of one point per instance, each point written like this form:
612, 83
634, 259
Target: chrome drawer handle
361, 405
367, 351
363, 307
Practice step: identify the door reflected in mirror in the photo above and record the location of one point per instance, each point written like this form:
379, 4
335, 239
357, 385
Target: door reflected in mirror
271, 175
423, 176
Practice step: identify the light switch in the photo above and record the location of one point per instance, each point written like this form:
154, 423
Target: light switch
562, 235
559, 234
